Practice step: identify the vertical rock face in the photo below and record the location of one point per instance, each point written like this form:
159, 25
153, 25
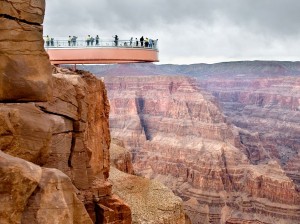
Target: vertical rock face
25, 70
178, 135
69, 133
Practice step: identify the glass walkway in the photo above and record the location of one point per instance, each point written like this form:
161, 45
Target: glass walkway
100, 52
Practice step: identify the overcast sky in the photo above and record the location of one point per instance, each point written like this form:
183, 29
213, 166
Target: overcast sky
189, 31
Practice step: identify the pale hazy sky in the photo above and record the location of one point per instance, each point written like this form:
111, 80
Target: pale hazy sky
189, 31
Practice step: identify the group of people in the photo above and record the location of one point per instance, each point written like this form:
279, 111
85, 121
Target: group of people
90, 40
146, 41
72, 41
143, 42
49, 41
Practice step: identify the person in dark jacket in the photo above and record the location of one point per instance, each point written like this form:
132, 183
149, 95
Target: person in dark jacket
52, 41
116, 40
97, 40
136, 42
142, 41
69, 40
92, 41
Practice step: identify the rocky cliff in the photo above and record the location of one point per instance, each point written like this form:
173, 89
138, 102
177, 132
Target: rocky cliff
178, 135
69, 133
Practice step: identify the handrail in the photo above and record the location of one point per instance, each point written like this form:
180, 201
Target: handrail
53, 43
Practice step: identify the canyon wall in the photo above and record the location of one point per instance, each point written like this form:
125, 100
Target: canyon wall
178, 135
267, 111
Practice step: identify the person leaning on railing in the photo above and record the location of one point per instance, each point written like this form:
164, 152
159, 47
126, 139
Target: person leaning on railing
74, 40
116, 40
97, 40
142, 41
69, 40
150, 43
52, 42
136, 42
92, 41
47, 40
146, 42
88, 39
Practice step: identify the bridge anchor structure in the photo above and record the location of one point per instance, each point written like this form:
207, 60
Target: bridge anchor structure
105, 52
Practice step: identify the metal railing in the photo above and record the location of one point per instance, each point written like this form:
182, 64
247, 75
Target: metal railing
80, 43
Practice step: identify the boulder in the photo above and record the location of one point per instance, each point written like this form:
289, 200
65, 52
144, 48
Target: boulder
32, 194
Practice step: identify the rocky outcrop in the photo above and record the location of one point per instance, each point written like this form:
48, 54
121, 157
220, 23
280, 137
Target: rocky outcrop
69, 133
120, 157
21, 47
178, 136
31, 194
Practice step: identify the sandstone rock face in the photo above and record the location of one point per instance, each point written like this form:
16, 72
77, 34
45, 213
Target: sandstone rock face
69, 133
82, 99
25, 70
178, 135
28, 10
31, 194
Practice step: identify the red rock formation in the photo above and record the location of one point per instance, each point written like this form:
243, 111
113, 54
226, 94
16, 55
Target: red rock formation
178, 135
87, 159
21, 77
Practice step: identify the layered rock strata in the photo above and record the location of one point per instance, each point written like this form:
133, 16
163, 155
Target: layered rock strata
267, 111
24, 64
150, 201
178, 135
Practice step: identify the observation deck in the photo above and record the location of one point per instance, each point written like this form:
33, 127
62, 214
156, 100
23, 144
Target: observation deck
104, 52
